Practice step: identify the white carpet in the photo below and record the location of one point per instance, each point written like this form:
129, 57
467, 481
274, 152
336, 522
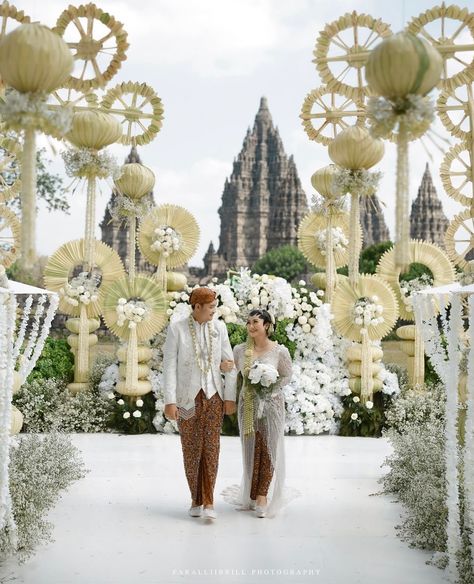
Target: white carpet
127, 521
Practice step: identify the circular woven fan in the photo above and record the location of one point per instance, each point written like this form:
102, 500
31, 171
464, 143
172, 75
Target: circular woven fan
312, 224
345, 298
459, 238
141, 288
60, 267
179, 219
10, 235
421, 252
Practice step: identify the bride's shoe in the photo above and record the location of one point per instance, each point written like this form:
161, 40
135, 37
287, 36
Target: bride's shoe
261, 511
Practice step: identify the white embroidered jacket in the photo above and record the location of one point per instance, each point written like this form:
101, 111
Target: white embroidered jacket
181, 373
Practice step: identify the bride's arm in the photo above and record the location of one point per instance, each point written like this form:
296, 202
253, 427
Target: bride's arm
285, 368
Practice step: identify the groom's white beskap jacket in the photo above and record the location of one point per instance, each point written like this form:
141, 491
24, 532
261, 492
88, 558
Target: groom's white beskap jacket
181, 373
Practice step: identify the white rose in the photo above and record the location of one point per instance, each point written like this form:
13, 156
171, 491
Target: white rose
139, 403
356, 399
122, 301
306, 328
320, 293
120, 402
354, 416
126, 415
359, 321
302, 283
302, 320
111, 395
137, 414
369, 405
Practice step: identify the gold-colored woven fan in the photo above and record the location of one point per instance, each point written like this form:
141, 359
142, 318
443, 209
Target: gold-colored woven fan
71, 256
421, 252
314, 223
179, 219
345, 298
142, 288
10, 235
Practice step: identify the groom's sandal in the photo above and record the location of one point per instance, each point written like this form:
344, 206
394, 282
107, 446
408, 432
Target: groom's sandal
195, 511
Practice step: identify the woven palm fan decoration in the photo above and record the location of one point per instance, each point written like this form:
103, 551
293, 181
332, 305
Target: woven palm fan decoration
34, 61
402, 70
81, 291
442, 270
168, 238
135, 310
364, 312
10, 234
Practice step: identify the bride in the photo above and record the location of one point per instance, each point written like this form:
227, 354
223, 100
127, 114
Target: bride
265, 367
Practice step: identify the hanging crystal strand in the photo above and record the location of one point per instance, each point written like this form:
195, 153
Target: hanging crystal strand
132, 236
81, 369
28, 200
469, 431
131, 370
419, 360
331, 274
90, 224
367, 380
354, 242
402, 227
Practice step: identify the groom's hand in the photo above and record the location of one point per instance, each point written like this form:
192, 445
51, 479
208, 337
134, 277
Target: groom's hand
230, 407
171, 411
227, 366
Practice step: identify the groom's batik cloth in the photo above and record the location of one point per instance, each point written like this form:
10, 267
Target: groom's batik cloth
200, 441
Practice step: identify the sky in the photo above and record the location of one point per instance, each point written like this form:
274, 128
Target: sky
210, 61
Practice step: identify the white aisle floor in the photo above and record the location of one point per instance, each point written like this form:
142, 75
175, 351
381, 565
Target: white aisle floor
127, 522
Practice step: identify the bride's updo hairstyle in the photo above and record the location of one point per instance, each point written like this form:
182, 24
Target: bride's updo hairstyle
266, 317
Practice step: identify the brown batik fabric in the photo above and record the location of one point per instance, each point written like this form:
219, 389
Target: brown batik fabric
200, 442
262, 468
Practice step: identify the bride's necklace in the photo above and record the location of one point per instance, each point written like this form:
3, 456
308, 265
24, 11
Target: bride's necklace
204, 367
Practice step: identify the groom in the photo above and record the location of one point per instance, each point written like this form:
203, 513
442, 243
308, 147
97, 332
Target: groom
195, 352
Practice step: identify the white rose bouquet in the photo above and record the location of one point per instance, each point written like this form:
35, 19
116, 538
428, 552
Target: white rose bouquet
262, 378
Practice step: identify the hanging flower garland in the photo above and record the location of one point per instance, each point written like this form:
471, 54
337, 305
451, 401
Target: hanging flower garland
89, 163
359, 181
31, 110
123, 208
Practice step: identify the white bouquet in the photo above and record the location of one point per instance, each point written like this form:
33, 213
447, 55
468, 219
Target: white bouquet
262, 377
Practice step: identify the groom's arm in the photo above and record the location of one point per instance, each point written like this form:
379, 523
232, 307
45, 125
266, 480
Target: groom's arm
230, 378
170, 365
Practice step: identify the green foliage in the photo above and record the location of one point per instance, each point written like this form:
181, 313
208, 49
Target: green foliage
138, 424
56, 360
369, 258
41, 467
415, 271
286, 261
369, 422
237, 333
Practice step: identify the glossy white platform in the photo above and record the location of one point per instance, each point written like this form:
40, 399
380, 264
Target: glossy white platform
127, 522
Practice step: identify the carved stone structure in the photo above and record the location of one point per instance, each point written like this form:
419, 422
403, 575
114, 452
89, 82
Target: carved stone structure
427, 219
262, 203
374, 228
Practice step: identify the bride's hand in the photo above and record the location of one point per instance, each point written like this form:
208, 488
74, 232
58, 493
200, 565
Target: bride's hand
227, 366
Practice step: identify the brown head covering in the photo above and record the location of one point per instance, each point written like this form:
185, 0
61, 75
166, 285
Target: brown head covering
202, 295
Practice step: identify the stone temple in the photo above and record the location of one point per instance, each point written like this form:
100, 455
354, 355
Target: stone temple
262, 203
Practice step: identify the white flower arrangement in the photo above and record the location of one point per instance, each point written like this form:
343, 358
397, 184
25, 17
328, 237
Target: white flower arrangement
227, 307
367, 312
31, 110
167, 240
81, 289
361, 182
263, 374
133, 311
408, 288
124, 208
339, 240
323, 206
416, 112
85, 163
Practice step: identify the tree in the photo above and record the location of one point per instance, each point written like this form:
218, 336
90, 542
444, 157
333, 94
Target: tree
369, 258
286, 261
